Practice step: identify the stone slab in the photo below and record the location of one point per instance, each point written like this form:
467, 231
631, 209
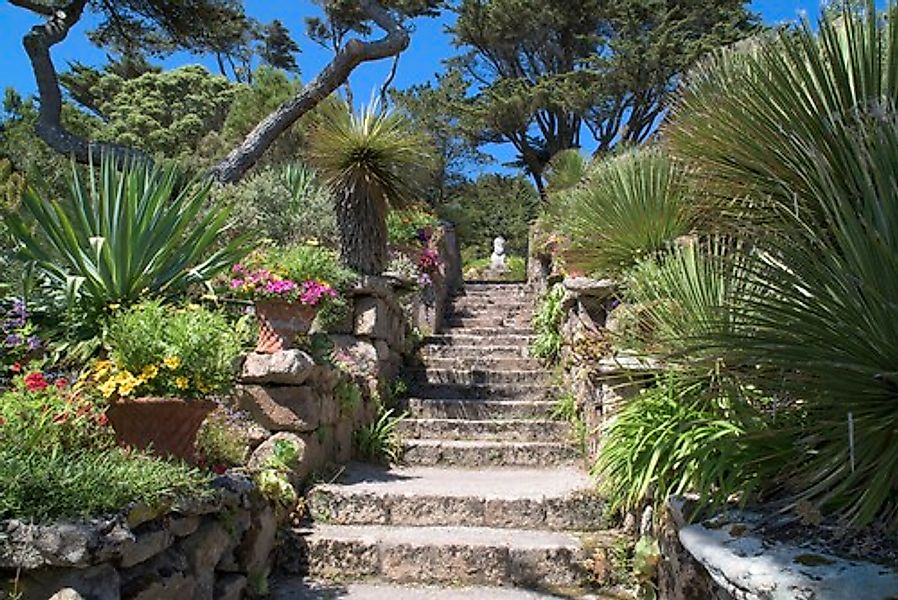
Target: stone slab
475, 454
300, 589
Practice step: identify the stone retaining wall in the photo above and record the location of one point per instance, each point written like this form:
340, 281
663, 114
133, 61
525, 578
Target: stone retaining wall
219, 548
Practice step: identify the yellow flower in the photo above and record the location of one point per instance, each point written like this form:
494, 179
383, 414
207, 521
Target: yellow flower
127, 383
182, 383
149, 372
312, 242
108, 388
101, 370
171, 362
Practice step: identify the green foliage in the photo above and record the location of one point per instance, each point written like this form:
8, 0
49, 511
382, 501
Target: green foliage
404, 226
58, 458
566, 409
547, 325
222, 440
671, 439
285, 205
373, 160
629, 208
167, 112
566, 170
123, 235
379, 441
490, 207
187, 352
306, 262
273, 478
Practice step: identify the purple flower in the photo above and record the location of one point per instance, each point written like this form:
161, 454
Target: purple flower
34, 343
13, 340
313, 291
424, 279
280, 287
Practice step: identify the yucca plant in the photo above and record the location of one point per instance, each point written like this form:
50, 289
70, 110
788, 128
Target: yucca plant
628, 208
566, 170
129, 231
372, 160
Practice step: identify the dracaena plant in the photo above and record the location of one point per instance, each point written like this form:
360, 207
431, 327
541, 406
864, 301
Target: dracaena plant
125, 231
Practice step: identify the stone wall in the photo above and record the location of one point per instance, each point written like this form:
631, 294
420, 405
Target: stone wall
218, 548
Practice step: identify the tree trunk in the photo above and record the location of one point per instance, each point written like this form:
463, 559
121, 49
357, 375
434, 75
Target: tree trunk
362, 222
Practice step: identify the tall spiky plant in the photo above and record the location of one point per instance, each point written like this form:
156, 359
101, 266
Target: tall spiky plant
626, 209
372, 159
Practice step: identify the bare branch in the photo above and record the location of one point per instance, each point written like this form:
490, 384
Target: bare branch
49, 126
351, 55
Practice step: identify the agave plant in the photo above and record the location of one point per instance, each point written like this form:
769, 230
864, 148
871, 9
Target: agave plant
372, 160
125, 233
628, 208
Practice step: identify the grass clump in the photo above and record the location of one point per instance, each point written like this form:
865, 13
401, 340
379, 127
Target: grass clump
547, 325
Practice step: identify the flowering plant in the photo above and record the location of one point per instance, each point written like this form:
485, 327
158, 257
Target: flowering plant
262, 284
19, 341
41, 412
156, 350
429, 260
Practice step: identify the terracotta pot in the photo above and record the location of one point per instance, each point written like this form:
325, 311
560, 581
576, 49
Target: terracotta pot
168, 425
280, 322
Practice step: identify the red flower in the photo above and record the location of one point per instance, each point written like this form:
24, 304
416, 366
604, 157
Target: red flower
102, 420
16, 367
35, 382
219, 469
61, 383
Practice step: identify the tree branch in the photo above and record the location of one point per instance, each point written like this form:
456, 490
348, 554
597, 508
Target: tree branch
37, 44
351, 55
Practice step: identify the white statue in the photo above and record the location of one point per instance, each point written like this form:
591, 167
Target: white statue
497, 260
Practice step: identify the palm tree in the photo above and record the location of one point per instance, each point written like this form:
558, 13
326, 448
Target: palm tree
373, 160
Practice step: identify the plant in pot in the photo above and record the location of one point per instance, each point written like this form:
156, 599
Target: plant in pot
165, 367
288, 288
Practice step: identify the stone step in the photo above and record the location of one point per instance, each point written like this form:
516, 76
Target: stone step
473, 303
442, 555
483, 362
429, 408
493, 287
436, 351
491, 331
520, 430
476, 454
561, 499
298, 588
477, 376
461, 338
487, 322
496, 391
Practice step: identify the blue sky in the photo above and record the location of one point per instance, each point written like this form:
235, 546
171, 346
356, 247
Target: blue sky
429, 46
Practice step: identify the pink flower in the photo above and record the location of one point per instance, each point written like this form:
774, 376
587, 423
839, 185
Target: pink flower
35, 382
313, 291
61, 383
236, 283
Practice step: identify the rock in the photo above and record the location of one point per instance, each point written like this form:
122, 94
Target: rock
183, 526
27, 546
142, 513
66, 594
382, 349
585, 286
372, 285
254, 553
287, 367
169, 587
94, 583
311, 454
281, 408
359, 356
144, 546
343, 441
203, 551
372, 318
230, 587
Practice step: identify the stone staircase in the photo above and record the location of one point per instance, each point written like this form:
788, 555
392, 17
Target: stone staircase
490, 492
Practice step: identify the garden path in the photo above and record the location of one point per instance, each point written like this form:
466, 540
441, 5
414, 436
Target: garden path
491, 492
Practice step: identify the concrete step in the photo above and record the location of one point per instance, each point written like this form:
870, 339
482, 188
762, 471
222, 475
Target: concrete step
483, 362
494, 391
435, 351
299, 588
476, 454
477, 376
442, 555
520, 430
560, 499
462, 338
429, 408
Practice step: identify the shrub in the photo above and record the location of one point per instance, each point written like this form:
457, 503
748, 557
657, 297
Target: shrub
628, 208
285, 205
410, 226
157, 350
547, 325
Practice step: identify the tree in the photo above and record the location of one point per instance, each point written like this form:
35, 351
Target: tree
278, 48
606, 67
371, 160
425, 105
160, 26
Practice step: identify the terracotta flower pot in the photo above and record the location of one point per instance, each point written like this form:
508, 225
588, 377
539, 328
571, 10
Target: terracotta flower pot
168, 425
280, 322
